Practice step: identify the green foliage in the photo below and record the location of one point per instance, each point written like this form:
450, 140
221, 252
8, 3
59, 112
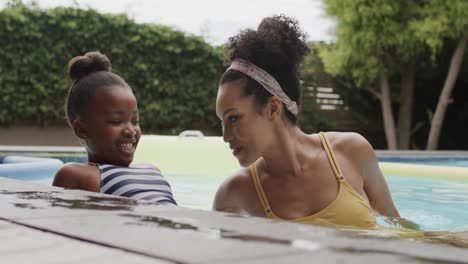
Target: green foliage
441, 20
174, 76
388, 35
363, 105
370, 34
313, 74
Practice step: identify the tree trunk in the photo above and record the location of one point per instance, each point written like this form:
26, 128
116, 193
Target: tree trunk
406, 105
386, 102
444, 99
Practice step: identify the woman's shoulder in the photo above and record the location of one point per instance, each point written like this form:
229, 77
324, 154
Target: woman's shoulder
351, 146
237, 180
348, 141
355, 149
230, 193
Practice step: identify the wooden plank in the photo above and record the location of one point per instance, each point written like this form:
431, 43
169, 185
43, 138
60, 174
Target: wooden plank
188, 236
20, 244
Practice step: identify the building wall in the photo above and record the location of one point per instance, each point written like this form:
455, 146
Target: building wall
38, 136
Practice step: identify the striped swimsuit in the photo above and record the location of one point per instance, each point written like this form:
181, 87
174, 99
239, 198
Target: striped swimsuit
140, 182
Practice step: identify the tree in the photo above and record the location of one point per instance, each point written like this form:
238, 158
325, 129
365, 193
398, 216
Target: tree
313, 75
444, 21
375, 45
173, 75
361, 106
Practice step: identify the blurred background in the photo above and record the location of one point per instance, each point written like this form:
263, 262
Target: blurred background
393, 70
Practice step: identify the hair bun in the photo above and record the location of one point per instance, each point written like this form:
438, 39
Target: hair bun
277, 44
91, 62
286, 34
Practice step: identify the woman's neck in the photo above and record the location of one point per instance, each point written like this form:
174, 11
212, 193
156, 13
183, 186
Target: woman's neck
287, 153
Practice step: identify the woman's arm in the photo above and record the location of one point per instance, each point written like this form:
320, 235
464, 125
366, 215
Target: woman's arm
375, 185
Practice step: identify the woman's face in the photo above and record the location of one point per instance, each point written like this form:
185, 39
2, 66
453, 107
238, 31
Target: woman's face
111, 128
243, 126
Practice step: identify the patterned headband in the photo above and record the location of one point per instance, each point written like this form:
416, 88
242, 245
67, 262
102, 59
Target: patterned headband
266, 80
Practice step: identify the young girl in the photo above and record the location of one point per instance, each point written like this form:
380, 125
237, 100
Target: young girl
330, 179
102, 111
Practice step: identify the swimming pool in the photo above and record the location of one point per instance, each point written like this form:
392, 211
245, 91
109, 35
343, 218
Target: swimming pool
195, 167
432, 204
453, 162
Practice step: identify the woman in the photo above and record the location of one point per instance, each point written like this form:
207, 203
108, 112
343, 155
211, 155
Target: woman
330, 179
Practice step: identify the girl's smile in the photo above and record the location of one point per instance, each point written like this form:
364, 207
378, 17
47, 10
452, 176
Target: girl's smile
111, 127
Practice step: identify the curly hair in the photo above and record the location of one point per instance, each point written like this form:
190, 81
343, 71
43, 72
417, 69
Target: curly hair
89, 72
278, 46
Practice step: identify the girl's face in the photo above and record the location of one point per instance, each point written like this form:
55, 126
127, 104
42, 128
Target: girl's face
109, 126
244, 129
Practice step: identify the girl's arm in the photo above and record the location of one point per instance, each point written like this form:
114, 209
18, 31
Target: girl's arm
78, 176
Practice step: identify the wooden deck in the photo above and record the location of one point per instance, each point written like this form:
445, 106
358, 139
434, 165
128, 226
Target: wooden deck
43, 224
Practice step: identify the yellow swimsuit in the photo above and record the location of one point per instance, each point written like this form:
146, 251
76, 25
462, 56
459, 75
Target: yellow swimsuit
348, 210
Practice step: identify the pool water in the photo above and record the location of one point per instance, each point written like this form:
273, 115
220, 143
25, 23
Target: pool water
430, 203
454, 162
433, 204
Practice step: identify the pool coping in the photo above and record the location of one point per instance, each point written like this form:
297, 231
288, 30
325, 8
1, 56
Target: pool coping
423, 153
161, 234
382, 153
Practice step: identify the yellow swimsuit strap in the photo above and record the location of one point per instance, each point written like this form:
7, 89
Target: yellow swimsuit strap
336, 169
340, 212
331, 157
258, 186
260, 192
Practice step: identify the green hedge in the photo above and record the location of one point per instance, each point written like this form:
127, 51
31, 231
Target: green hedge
173, 75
